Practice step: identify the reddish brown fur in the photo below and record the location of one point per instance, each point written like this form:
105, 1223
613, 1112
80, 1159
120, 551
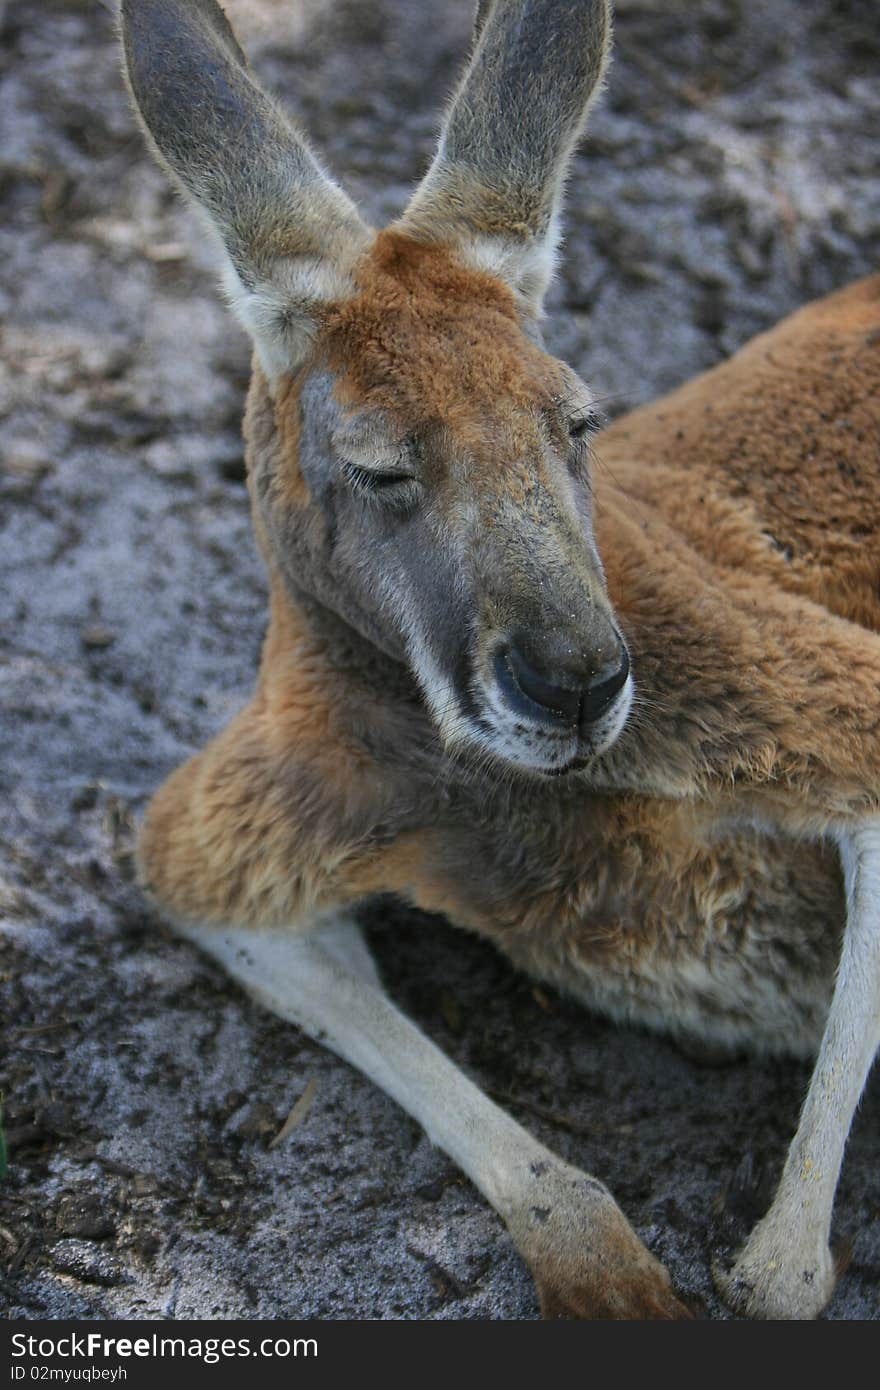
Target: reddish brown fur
286, 418
439, 346
769, 463
431, 341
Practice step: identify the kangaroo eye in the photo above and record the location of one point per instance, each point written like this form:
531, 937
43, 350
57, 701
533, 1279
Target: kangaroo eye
583, 426
372, 478
395, 488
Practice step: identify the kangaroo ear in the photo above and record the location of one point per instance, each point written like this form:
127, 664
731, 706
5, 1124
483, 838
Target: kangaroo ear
290, 234
495, 187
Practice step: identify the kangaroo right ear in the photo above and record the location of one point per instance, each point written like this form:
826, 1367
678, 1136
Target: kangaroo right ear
494, 189
290, 233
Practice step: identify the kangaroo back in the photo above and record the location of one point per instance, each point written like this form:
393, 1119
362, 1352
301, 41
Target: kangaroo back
769, 462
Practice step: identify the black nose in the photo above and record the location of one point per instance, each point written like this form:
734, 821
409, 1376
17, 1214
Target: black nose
603, 687
581, 700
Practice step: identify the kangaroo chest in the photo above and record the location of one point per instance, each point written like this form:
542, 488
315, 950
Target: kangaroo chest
641, 914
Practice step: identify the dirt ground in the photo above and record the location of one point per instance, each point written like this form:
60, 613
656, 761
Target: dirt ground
731, 175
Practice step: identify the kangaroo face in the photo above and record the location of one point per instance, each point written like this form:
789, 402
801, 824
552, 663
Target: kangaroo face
436, 495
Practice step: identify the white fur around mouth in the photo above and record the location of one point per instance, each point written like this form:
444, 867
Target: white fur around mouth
530, 749
497, 732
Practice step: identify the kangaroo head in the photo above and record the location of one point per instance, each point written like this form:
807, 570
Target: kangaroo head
426, 472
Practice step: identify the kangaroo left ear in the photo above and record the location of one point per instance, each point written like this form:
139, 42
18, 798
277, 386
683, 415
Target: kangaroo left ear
290, 233
494, 190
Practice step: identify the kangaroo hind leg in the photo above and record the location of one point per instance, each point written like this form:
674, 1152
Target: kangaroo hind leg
786, 1269
586, 1258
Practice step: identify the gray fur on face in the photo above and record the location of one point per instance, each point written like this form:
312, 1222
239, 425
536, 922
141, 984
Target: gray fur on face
442, 583
378, 570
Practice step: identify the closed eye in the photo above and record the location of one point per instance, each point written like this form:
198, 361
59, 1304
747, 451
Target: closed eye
373, 477
584, 425
388, 485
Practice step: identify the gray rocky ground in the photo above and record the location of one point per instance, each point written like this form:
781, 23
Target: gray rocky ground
731, 175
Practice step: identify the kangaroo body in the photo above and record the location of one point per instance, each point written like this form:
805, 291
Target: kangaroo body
621, 719
691, 909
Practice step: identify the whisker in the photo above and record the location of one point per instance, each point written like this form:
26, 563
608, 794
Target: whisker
596, 457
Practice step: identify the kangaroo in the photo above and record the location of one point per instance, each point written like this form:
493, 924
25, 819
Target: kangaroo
627, 726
